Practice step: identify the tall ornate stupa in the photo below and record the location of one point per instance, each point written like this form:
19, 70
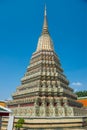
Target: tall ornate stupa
44, 89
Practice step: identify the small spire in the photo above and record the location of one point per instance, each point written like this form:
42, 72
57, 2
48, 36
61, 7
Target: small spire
45, 24
45, 12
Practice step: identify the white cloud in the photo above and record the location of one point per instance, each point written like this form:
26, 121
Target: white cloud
77, 84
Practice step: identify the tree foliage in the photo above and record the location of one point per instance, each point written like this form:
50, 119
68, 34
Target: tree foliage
81, 93
19, 123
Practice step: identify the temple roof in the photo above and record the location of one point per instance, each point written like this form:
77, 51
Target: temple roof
4, 111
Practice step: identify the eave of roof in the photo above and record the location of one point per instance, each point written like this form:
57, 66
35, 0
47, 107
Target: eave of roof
4, 109
82, 97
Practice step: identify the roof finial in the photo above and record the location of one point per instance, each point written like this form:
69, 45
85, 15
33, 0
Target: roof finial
45, 12
45, 25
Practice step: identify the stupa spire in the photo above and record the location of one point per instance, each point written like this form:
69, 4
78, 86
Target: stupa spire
45, 24
45, 42
45, 11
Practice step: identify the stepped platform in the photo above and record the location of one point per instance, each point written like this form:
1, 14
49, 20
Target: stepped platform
63, 123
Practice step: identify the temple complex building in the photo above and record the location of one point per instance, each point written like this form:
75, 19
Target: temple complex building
44, 89
83, 100
2, 103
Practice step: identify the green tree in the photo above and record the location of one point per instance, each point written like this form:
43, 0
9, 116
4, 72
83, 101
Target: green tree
19, 124
81, 93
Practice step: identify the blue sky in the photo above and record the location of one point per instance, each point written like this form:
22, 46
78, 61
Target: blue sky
20, 27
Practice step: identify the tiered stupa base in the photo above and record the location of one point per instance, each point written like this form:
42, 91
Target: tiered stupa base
47, 107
